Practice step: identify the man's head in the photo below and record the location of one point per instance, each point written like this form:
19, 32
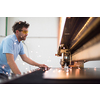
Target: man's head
21, 30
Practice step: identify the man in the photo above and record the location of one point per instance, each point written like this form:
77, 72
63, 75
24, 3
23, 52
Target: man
11, 47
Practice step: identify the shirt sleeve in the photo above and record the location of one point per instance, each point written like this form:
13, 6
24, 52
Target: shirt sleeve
8, 46
21, 50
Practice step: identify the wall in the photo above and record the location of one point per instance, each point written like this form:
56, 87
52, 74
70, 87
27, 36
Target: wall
92, 64
39, 26
2, 26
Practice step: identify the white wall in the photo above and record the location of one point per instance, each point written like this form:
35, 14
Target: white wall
39, 26
92, 64
2, 26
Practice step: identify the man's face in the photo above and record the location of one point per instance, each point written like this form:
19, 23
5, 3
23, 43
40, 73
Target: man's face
23, 33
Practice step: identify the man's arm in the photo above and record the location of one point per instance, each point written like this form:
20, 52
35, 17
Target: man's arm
31, 62
12, 64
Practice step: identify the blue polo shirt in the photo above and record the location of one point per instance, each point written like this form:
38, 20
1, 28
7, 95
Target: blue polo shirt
10, 45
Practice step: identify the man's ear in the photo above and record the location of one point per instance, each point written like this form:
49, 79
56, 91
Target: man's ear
17, 31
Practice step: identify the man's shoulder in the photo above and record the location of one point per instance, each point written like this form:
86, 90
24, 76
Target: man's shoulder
8, 40
10, 37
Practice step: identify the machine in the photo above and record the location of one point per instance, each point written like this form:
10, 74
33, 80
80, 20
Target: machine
80, 41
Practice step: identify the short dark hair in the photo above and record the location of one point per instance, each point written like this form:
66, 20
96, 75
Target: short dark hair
19, 25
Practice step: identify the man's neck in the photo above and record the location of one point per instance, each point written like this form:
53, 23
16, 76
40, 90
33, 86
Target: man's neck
17, 38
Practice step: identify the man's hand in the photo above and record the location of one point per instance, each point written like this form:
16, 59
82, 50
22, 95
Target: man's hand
44, 66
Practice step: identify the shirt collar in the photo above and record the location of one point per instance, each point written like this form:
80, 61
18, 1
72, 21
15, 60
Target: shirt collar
16, 39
